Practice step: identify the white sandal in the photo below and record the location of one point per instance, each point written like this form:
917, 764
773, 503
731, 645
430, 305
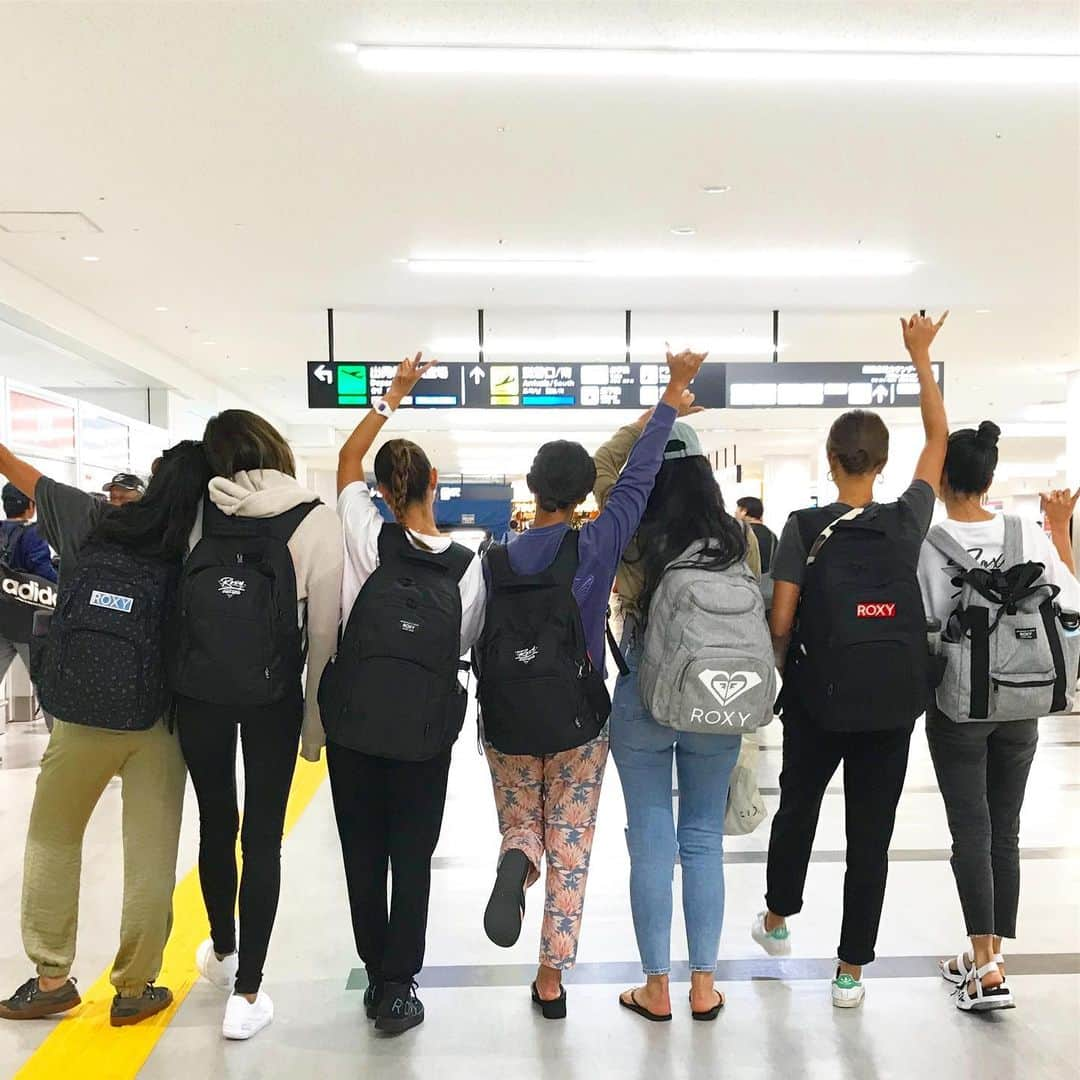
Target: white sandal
963, 967
983, 1000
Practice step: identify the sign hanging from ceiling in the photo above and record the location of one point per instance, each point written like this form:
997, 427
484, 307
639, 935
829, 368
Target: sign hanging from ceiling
341, 385
824, 386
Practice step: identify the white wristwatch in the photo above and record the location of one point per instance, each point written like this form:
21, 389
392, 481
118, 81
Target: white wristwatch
383, 408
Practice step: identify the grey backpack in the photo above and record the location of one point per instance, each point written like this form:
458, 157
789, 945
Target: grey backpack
707, 665
1010, 652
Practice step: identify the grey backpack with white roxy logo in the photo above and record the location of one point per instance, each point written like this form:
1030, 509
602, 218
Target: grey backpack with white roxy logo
708, 664
1009, 651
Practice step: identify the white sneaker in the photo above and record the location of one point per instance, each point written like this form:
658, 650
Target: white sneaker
847, 992
219, 973
242, 1019
775, 942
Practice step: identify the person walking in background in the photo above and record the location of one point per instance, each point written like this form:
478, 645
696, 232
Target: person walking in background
751, 510
124, 488
413, 603
260, 594
982, 766
21, 548
685, 508
850, 635
544, 718
82, 758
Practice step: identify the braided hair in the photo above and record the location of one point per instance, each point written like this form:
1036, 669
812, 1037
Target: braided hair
404, 473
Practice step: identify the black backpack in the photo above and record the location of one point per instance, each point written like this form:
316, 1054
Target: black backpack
539, 692
859, 659
22, 594
238, 640
102, 660
392, 691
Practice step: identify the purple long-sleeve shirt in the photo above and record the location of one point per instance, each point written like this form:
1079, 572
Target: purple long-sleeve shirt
602, 541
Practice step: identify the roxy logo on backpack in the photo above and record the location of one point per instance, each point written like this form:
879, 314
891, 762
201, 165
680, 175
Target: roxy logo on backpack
707, 663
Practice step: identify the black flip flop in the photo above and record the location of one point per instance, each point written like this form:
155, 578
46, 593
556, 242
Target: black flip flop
635, 1006
709, 1014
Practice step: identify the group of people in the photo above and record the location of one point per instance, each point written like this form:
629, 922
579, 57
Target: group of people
381, 611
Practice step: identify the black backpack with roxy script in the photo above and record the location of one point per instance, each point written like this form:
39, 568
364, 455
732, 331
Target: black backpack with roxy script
238, 639
539, 692
393, 690
101, 662
858, 658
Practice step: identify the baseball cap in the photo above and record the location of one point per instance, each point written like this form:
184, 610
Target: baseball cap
684, 443
127, 481
15, 502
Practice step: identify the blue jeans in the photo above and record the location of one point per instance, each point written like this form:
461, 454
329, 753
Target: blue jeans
643, 752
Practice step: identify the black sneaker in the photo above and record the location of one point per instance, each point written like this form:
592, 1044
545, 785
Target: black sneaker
372, 996
30, 1002
506, 908
131, 1010
399, 1009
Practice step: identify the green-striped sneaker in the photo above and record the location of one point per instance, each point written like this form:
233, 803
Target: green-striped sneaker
775, 942
847, 992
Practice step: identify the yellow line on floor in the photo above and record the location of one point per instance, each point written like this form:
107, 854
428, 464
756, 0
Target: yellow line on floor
85, 1044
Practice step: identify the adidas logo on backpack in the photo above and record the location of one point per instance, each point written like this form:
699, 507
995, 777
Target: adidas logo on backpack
29, 592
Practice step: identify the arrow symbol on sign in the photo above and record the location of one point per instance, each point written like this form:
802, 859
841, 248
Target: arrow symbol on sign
477, 375
324, 374
880, 393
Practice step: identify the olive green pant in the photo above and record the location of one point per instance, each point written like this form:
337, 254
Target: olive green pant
78, 765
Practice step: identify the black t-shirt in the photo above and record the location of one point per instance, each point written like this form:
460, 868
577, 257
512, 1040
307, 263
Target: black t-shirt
767, 543
915, 509
67, 516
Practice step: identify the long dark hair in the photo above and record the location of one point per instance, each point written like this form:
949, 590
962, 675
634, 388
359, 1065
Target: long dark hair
237, 440
159, 524
404, 472
686, 505
972, 459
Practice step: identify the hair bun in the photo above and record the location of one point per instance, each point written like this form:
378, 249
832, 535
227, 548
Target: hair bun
988, 434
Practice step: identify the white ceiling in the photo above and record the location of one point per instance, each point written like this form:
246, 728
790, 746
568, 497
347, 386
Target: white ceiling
246, 175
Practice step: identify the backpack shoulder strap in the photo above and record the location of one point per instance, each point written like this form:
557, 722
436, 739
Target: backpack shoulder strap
943, 541
1014, 540
12, 536
280, 527
459, 558
565, 565
823, 537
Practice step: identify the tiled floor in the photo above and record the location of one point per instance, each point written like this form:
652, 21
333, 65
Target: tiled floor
778, 1022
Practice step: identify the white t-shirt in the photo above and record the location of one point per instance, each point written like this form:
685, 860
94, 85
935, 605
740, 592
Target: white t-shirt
363, 523
985, 543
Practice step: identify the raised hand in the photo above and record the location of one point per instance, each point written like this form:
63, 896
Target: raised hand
409, 373
683, 368
1058, 507
919, 333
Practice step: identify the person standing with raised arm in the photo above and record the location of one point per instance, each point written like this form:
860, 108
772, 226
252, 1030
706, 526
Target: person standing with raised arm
849, 632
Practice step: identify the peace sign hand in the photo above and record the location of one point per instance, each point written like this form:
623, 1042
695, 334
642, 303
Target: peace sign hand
408, 374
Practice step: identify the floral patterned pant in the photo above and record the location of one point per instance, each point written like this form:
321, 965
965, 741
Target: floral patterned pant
547, 805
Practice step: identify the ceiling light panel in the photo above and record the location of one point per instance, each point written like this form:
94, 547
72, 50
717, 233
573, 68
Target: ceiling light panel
750, 264
824, 66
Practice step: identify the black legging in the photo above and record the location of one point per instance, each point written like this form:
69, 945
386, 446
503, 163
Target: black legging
269, 739
389, 815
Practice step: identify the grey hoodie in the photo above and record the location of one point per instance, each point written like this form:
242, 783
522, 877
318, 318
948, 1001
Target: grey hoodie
317, 549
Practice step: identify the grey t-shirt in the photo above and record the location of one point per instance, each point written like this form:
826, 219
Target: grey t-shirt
915, 509
67, 516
